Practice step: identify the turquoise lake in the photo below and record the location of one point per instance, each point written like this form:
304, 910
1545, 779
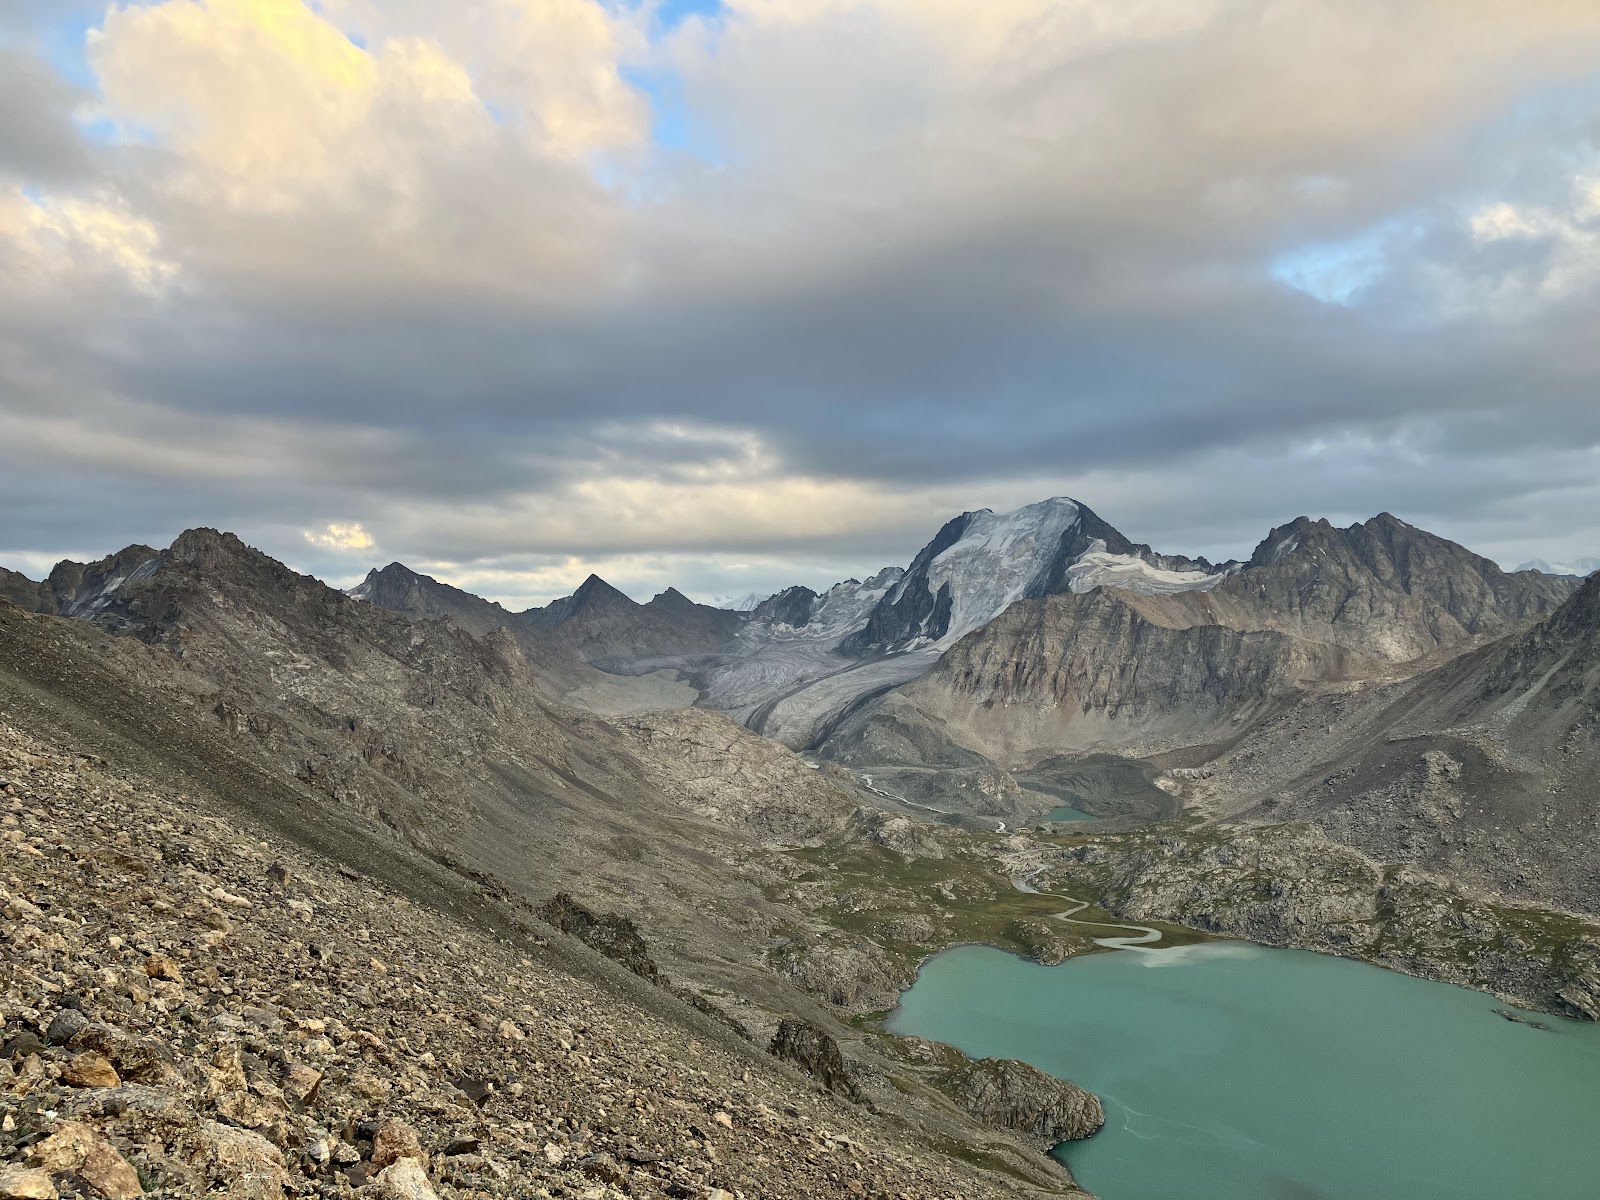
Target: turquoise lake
1064, 813
1234, 1072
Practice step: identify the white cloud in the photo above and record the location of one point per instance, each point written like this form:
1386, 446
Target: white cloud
53, 238
343, 536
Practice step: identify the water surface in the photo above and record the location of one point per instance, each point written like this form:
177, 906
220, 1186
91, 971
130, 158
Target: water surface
1064, 813
1234, 1072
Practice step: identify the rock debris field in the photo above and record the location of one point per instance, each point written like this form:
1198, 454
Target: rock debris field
191, 1010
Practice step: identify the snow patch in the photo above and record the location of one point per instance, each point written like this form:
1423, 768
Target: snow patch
744, 603
1096, 567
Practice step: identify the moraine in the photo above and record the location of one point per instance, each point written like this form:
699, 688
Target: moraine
1234, 1072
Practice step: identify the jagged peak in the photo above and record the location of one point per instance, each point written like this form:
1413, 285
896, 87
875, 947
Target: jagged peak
595, 590
672, 598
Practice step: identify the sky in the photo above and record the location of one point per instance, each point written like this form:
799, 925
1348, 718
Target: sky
733, 294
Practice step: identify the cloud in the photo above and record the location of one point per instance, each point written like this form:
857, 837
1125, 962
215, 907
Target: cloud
336, 535
423, 267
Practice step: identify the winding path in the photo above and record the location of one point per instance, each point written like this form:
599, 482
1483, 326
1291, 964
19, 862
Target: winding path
1147, 934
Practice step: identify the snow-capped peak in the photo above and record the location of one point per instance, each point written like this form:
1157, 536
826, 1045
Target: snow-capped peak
1576, 566
744, 603
997, 559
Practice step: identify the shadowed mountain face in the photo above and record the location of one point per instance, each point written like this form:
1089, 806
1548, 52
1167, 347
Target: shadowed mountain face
606, 626
76, 589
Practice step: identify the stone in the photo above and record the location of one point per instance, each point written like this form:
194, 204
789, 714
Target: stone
278, 874
460, 1146
403, 1180
78, 1149
137, 1059
510, 1031
159, 966
26, 1183
604, 1168
23, 1044
30, 1075
241, 1165
262, 1018
90, 1070
301, 1083
393, 1141
65, 1025
128, 1098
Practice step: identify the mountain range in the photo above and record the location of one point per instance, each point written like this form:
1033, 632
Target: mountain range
1368, 740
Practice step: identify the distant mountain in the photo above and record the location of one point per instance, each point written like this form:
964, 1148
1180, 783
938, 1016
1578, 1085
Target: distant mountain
1577, 568
76, 589
982, 562
1140, 673
400, 589
605, 626
742, 603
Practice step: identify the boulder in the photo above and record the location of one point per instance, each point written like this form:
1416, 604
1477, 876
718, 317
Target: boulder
1021, 1099
26, 1183
393, 1141
76, 1149
814, 1052
403, 1180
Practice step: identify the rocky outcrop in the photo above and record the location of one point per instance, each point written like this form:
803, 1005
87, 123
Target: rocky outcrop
816, 1053
1292, 885
615, 936
851, 973
1022, 1099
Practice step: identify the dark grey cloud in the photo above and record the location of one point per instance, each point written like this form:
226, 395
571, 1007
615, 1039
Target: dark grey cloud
38, 139
984, 270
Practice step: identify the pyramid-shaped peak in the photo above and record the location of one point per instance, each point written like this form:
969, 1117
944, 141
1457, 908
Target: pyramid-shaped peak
673, 600
596, 591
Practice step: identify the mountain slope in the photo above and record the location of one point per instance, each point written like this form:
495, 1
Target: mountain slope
426, 757
273, 1023
1486, 767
